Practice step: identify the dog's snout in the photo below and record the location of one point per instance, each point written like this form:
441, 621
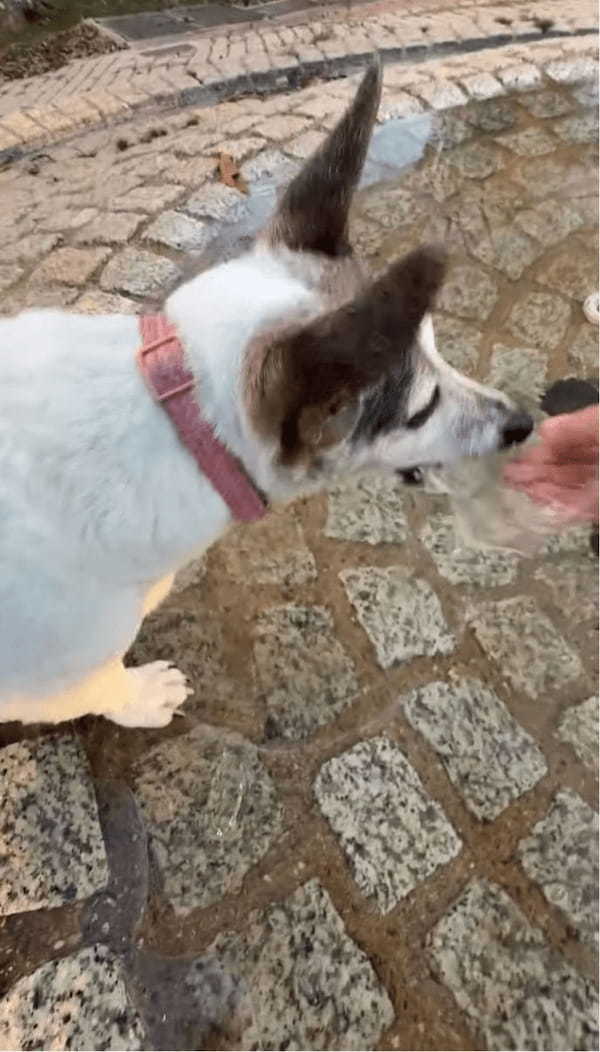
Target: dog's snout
516, 429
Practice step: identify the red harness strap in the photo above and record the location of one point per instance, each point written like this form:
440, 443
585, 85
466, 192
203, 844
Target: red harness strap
171, 384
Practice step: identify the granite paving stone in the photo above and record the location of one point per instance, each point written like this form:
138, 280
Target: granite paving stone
302, 670
571, 274
468, 292
275, 549
147, 199
458, 343
547, 103
215, 201
69, 266
138, 272
583, 351
51, 850
518, 991
109, 228
392, 832
549, 222
310, 986
465, 566
561, 855
529, 142
77, 1002
539, 319
519, 372
573, 585
400, 613
487, 754
178, 231
577, 128
368, 508
525, 645
579, 728
219, 817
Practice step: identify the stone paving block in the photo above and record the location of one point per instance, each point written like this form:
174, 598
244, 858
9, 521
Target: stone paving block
218, 818
138, 272
572, 71
482, 86
579, 728
179, 232
507, 249
544, 104
529, 142
147, 199
304, 145
561, 855
517, 990
465, 566
583, 351
309, 984
573, 585
393, 834
525, 645
549, 222
77, 1002
458, 343
52, 847
578, 128
28, 249
475, 160
95, 302
392, 205
488, 756
281, 127
539, 319
9, 275
368, 508
302, 670
401, 614
67, 219
109, 228
271, 552
271, 166
238, 149
216, 201
571, 274
69, 266
468, 292
523, 76
442, 94
519, 372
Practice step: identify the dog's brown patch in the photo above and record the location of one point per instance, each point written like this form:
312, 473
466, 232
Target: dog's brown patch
303, 384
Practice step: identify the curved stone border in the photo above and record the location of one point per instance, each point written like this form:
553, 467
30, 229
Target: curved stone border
91, 92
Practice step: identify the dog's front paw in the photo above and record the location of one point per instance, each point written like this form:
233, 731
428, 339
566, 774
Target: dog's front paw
160, 689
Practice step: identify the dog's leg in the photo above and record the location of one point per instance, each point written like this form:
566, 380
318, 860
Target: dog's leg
134, 697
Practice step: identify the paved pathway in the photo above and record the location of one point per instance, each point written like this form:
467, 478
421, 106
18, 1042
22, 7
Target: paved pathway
375, 825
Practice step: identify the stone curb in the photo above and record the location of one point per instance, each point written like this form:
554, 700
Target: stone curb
127, 83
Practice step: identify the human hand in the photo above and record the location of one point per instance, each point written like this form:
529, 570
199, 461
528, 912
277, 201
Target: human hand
562, 469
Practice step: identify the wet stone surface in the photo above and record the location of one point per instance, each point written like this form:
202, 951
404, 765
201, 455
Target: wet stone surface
374, 713
487, 755
401, 614
393, 833
52, 850
76, 1002
219, 817
489, 955
561, 855
302, 671
299, 966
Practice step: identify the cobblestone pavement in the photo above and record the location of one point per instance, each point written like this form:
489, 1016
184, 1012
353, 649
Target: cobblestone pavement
375, 825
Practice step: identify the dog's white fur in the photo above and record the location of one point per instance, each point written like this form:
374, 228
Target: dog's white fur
100, 503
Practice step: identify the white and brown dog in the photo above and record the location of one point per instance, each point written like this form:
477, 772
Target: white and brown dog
304, 372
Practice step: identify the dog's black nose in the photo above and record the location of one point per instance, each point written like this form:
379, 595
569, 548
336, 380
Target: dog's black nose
517, 428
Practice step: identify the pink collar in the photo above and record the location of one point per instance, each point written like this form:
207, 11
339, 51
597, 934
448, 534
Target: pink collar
172, 385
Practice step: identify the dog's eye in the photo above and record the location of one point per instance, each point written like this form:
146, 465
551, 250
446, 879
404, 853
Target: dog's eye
419, 418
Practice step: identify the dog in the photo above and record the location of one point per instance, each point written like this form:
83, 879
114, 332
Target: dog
305, 371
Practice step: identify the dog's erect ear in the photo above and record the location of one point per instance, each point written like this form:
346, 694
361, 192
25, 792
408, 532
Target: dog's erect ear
307, 383
313, 212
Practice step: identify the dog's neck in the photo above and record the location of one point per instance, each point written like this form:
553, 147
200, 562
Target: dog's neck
217, 315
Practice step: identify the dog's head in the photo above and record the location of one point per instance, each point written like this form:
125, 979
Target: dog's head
336, 373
